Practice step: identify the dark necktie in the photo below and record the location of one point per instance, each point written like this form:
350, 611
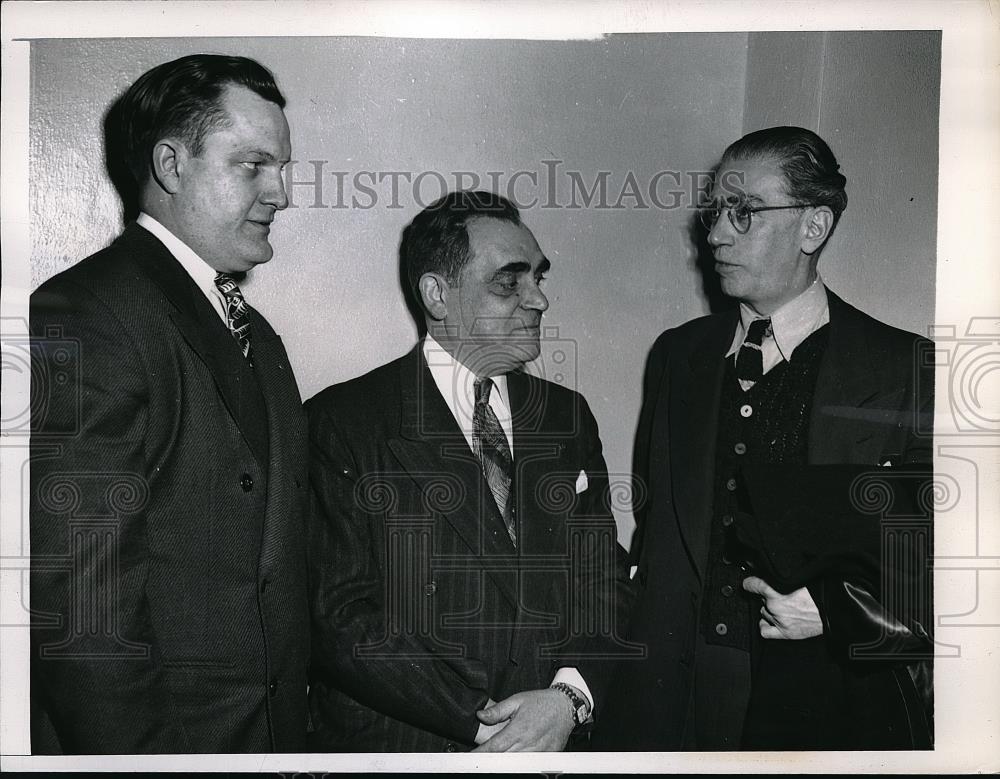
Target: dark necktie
490, 445
750, 359
237, 311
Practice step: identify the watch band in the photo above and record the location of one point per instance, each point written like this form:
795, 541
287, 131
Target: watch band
581, 709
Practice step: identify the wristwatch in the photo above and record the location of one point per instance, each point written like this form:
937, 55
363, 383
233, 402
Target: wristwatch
581, 709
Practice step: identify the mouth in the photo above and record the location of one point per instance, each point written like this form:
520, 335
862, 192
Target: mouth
262, 225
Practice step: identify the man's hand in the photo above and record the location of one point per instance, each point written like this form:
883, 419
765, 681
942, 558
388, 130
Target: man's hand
793, 616
486, 732
537, 721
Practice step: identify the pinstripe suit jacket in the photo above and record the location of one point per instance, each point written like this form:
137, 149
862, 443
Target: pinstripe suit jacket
424, 608
168, 577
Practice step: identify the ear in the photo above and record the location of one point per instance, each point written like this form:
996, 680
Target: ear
817, 229
168, 158
434, 289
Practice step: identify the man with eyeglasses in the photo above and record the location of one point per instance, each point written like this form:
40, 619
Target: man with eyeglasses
771, 618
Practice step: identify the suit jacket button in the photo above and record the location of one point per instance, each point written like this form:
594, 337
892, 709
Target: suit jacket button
430, 589
246, 482
449, 747
721, 629
272, 688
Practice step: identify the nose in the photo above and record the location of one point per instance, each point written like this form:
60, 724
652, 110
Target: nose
722, 231
273, 193
534, 299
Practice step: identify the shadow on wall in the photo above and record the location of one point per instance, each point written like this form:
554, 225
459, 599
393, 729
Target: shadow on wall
114, 161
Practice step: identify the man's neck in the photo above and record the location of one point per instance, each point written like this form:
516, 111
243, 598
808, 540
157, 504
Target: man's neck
474, 357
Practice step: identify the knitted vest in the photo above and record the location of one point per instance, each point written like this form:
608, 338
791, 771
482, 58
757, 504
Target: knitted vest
769, 423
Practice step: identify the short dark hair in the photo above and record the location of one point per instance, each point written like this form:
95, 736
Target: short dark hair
183, 98
812, 173
437, 241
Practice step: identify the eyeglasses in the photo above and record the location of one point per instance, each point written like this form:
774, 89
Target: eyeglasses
741, 213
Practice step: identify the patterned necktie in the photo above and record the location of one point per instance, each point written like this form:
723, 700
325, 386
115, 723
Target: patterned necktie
237, 311
490, 445
750, 360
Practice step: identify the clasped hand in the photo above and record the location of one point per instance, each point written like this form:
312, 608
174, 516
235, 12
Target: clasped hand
793, 616
531, 721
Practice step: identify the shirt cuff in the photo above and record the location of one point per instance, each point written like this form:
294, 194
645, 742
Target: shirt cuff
569, 675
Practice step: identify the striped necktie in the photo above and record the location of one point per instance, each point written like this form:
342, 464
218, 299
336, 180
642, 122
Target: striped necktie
237, 312
490, 445
750, 359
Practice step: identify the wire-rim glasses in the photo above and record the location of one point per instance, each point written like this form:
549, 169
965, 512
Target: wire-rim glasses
740, 213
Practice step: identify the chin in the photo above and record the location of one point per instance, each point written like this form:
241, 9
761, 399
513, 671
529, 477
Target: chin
251, 259
528, 352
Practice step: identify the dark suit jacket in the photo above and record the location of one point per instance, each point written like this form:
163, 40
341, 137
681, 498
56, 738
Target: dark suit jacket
873, 397
424, 610
168, 585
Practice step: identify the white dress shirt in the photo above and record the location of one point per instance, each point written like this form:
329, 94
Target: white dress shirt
455, 382
790, 326
201, 273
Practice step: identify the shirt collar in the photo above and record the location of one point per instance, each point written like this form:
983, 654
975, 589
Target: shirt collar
792, 323
200, 271
456, 384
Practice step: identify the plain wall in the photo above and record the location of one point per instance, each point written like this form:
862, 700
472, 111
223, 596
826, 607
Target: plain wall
626, 105
873, 96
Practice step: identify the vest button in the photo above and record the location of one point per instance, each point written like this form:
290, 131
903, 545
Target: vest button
746, 566
731, 485
449, 747
746, 410
272, 688
721, 629
727, 520
728, 590
246, 482
740, 448
430, 589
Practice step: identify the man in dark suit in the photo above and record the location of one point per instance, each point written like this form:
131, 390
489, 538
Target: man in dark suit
465, 572
168, 586
756, 423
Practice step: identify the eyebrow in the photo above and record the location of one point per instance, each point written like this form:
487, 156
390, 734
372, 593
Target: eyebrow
258, 152
518, 268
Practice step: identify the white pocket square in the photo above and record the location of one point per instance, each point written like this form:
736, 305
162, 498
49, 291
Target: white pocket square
581, 482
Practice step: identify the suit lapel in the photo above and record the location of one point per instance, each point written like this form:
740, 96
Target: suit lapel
693, 425
192, 314
435, 454
848, 378
284, 420
536, 463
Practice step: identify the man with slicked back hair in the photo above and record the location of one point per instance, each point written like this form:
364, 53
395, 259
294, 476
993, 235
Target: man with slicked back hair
168, 478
